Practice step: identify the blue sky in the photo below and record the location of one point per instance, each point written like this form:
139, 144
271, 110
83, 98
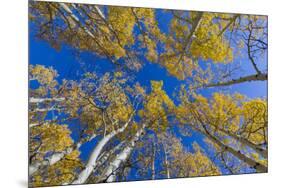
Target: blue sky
66, 63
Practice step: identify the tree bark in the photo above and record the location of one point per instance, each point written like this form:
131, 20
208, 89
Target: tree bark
54, 158
153, 161
166, 162
252, 163
110, 172
86, 30
102, 159
40, 100
260, 151
250, 78
92, 162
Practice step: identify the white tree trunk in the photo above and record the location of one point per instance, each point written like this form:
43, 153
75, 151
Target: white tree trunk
86, 30
40, 100
103, 158
54, 158
92, 162
166, 162
259, 150
252, 163
153, 160
76, 19
109, 175
250, 78
259, 167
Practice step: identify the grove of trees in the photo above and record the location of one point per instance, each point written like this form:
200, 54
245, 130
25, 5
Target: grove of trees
135, 129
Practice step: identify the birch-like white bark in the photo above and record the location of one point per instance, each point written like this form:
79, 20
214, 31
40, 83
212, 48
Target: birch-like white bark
34, 100
86, 30
45, 109
56, 157
259, 150
76, 19
92, 162
237, 153
166, 162
246, 142
52, 159
34, 124
103, 158
153, 161
40, 100
250, 78
109, 175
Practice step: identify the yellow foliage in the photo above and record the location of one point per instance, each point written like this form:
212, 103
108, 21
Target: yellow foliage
187, 164
59, 173
208, 45
110, 105
54, 137
198, 164
180, 59
229, 118
157, 107
45, 76
118, 74
255, 120
151, 34
123, 21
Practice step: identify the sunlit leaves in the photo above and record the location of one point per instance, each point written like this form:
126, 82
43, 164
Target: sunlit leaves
150, 35
46, 78
184, 163
52, 137
208, 44
189, 42
123, 22
221, 111
198, 164
196, 48
158, 107
59, 173
255, 121
108, 106
229, 121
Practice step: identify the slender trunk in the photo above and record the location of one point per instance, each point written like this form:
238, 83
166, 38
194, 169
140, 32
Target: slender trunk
252, 163
45, 109
102, 159
92, 162
100, 12
86, 30
35, 124
40, 100
250, 78
166, 162
110, 171
193, 31
36, 101
260, 151
191, 35
49, 161
75, 18
153, 161
54, 158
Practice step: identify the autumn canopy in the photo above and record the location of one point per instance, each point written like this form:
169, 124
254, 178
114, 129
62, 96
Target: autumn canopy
152, 94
